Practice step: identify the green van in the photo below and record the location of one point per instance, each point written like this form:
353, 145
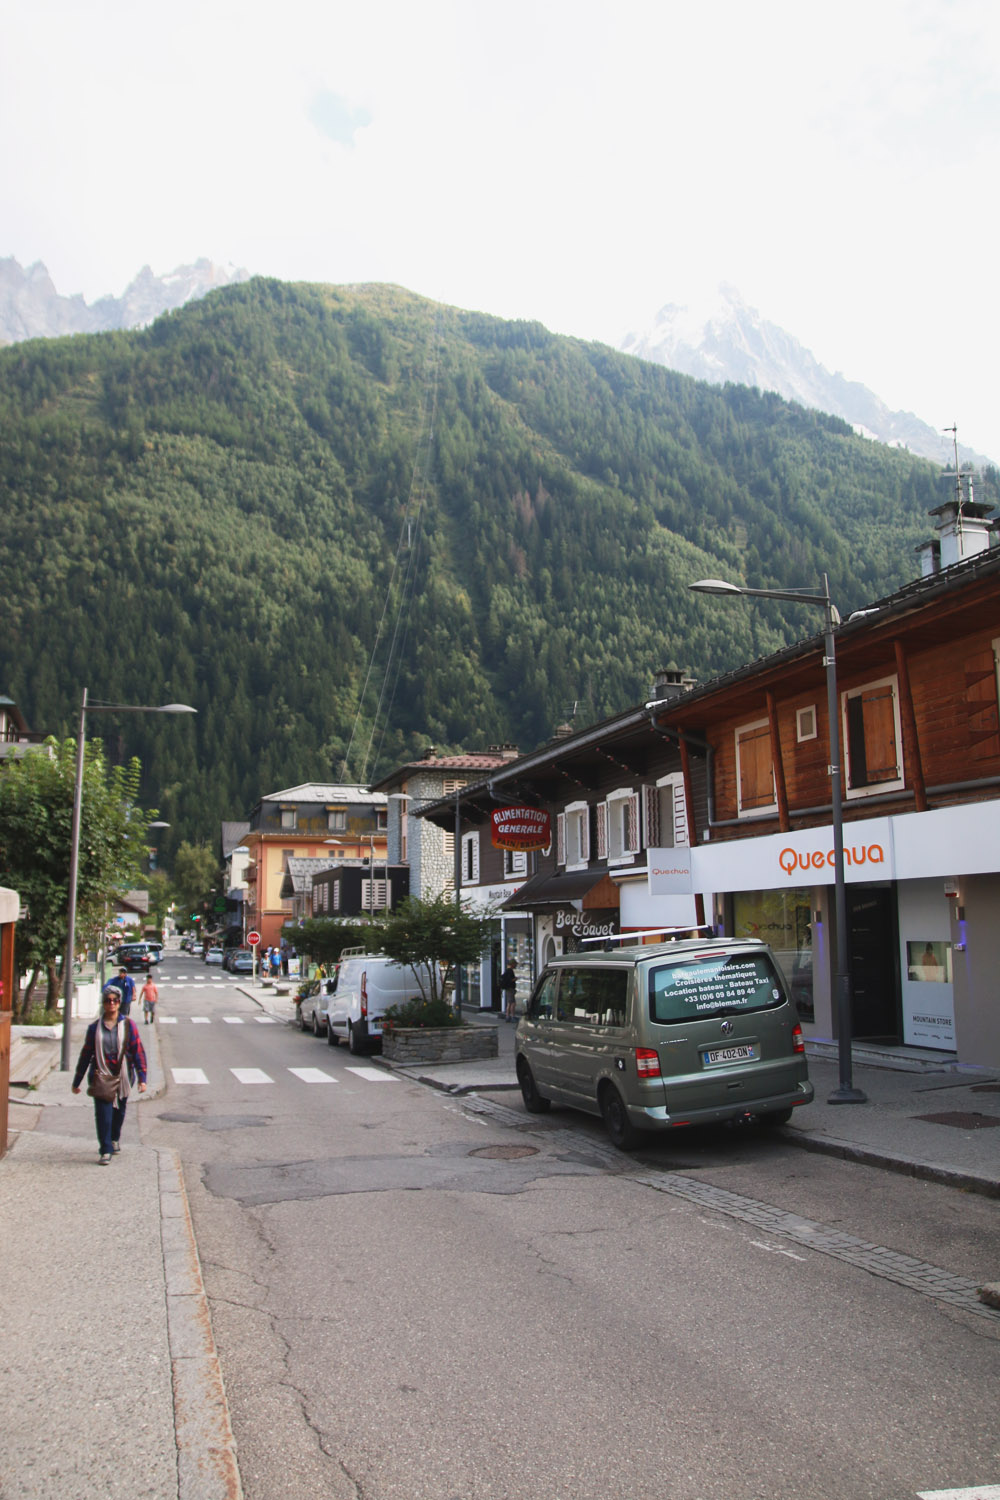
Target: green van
652, 1038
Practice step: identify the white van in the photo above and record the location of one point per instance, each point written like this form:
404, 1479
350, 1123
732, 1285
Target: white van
367, 984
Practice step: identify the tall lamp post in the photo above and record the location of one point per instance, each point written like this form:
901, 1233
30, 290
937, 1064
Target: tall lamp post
845, 1093
74, 852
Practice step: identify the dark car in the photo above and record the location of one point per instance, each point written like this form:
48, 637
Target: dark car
135, 957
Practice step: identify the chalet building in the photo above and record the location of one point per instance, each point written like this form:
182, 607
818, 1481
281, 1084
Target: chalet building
426, 848
709, 808
354, 890
316, 821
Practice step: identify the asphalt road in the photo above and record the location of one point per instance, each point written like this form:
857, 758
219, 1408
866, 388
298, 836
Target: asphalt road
416, 1297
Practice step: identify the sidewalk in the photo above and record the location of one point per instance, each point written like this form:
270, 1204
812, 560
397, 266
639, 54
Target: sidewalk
111, 1386
84, 1333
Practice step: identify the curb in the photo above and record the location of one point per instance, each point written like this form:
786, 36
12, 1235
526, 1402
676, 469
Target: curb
206, 1448
953, 1177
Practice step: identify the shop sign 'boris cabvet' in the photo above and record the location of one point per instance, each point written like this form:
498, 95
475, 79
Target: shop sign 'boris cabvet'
521, 828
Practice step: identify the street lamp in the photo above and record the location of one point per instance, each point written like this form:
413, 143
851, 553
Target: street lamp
74, 853
846, 1093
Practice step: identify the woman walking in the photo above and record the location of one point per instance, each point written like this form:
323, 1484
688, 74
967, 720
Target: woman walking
111, 1055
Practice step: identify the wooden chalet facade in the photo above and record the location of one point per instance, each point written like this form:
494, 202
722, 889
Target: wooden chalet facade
710, 808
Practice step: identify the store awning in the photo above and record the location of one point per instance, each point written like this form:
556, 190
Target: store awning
593, 888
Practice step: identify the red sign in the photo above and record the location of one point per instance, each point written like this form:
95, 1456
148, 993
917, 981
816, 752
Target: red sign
521, 828
253, 938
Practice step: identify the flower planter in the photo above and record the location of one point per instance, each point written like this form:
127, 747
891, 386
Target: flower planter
439, 1044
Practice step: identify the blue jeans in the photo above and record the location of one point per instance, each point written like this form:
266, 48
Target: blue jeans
109, 1119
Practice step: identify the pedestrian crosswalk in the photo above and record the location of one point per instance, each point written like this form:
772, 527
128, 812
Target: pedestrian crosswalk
207, 1020
252, 1076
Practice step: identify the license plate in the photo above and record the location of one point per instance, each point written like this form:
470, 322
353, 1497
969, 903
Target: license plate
716, 1055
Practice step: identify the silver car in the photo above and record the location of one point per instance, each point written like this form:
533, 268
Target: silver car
653, 1038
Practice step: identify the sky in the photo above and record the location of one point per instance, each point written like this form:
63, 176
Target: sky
578, 162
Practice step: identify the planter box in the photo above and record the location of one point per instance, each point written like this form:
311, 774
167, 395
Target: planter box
439, 1044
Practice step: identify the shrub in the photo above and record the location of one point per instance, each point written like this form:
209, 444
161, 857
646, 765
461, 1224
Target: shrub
420, 1013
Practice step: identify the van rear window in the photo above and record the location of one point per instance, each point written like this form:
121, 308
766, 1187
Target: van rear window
715, 985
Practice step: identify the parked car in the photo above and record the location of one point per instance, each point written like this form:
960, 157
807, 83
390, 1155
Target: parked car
196, 949
309, 1004
652, 1038
214, 956
367, 984
135, 957
241, 962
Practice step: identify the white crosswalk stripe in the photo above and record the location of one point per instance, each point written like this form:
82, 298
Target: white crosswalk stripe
313, 1075
188, 1075
374, 1075
251, 1075
233, 1020
201, 1021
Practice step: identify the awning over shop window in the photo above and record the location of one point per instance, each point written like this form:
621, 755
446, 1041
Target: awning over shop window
593, 888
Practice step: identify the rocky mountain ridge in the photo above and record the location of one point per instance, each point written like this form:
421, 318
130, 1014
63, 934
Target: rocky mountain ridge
31, 308
726, 340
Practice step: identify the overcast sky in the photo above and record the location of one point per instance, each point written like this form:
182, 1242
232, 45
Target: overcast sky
581, 162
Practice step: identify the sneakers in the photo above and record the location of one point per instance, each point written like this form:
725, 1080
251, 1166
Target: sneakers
104, 1160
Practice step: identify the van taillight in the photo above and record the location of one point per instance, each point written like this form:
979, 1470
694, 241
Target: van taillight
798, 1041
647, 1062
364, 994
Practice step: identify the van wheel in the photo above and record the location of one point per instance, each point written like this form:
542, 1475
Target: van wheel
317, 1024
331, 1036
621, 1131
533, 1101
356, 1046
775, 1117
302, 1020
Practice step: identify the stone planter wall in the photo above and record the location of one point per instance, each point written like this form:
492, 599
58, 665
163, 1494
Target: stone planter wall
439, 1044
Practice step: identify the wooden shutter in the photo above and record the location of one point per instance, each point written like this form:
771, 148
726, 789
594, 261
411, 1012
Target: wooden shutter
981, 697
602, 830
756, 770
560, 838
651, 811
879, 719
632, 823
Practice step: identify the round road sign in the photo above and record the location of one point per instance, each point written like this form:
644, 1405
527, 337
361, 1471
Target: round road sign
253, 938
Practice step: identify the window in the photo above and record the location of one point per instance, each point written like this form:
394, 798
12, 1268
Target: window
805, 723
381, 817
593, 997
573, 836
470, 859
981, 699
288, 817
666, 813
755, 769
515, 862
336, 819
872, 738
374, 895
618, 827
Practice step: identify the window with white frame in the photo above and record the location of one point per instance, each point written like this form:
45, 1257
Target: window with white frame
336, 819
573, 836
805, 723
873, 738
756, 791
288, 817
515, 862
470, 859
666, 813
618, 827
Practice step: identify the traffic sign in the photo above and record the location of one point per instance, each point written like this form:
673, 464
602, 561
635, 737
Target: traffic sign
253, 938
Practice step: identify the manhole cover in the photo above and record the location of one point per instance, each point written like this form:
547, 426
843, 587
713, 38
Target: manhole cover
508, 1153
960, 1121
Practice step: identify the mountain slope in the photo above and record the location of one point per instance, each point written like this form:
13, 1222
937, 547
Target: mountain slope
727, 340
245, 504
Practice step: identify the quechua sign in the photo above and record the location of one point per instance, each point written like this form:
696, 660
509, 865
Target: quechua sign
521, 828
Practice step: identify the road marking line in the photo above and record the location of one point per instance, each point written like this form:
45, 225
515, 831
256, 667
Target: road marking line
233, 1020
977, 1492
201, 1021
167, 1020
188, 1075
374, 1075
774, 1249
250, 1075
265, 1020
312, 1075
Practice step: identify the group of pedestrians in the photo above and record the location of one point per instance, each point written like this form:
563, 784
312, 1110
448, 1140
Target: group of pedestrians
113, 1058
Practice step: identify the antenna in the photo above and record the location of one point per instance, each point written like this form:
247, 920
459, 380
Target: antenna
960, 474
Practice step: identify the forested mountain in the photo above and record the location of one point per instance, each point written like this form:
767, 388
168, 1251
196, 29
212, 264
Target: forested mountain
230, 507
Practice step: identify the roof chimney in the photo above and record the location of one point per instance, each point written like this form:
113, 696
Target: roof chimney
963, 531
670, 682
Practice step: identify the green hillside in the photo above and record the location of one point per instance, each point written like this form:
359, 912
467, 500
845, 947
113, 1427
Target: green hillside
229, 508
